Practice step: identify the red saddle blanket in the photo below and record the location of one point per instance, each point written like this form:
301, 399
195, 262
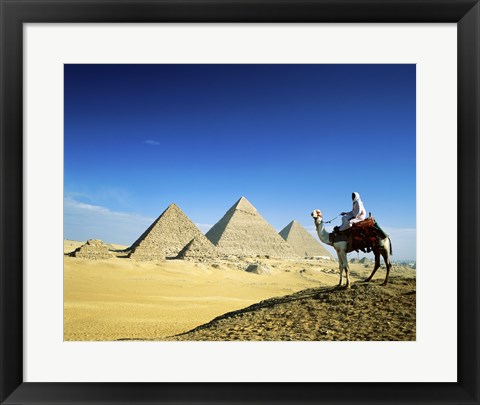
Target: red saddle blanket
363, 235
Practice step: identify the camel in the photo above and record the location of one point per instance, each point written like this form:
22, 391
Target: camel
384, 248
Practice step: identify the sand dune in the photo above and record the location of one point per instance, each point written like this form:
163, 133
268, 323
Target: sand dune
365, 312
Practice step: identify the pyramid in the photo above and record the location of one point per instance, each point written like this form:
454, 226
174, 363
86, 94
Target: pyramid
93, 249
243, 232
300, 240
167, 236
198, 248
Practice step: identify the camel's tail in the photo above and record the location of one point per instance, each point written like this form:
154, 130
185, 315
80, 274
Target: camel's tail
390, 241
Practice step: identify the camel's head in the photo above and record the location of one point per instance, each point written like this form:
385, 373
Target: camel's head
316, 214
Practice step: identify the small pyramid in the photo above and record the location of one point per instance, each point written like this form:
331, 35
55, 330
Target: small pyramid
198, 249
93, 249
166, 237
300, 240
242, 231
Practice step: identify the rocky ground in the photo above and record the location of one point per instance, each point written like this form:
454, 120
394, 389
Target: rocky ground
365, 312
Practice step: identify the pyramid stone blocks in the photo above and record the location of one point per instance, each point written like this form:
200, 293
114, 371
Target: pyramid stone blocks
167, 236
198, 249
93, 249
242, 231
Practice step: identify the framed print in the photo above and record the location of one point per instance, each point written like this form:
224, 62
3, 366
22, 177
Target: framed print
134, 127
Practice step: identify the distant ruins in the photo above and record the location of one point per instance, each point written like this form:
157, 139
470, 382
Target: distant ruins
93, 249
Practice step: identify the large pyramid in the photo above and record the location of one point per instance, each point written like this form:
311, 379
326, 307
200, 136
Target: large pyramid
243, 232
167, 236
300, 240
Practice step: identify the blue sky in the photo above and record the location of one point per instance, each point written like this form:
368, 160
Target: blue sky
290, 138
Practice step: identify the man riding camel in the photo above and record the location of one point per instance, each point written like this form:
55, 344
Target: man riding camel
357, 214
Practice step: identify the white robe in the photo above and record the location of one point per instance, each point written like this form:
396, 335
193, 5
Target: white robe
357, 214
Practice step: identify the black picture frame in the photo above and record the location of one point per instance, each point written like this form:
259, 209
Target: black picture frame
465, 13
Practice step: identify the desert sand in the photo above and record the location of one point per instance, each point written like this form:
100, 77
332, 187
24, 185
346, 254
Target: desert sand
124, 299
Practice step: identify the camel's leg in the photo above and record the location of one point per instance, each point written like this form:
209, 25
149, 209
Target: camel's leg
341, 249
377, 265
340, 267
342, 263
346, 275
344, 267
388, 265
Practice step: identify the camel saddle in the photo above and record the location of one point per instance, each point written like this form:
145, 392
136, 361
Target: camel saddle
363, 235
